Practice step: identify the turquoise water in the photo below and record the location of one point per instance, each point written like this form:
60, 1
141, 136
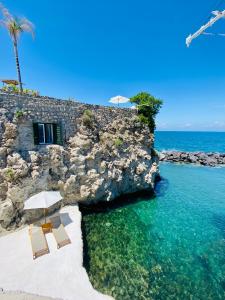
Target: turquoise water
171, 246
190, 141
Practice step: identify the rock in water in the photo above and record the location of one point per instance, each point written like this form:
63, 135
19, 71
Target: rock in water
201, 158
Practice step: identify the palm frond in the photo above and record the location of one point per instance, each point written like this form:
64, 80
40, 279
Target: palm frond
27, 26
15, 25
5, 12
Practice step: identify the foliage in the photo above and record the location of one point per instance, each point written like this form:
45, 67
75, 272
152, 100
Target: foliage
88, 113
148, 107
118, 142
15, 25
88, 118
9, 174
19, 114
31, 92
11, 88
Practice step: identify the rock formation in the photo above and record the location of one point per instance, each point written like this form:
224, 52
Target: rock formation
202, 158
97, 163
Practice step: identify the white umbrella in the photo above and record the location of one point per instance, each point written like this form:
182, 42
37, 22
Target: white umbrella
119, 99
42, 200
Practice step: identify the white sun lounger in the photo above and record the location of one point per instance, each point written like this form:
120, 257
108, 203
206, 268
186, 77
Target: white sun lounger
59, 232
38, 241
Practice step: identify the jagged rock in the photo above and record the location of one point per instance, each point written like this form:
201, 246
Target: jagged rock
207, 159
96, 164
7, 213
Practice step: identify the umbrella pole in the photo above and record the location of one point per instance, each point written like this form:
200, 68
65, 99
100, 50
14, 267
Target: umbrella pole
45, 214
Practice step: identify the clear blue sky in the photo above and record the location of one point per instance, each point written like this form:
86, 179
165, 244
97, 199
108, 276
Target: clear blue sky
93, 50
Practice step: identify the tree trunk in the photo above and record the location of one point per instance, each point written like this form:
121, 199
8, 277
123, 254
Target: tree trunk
18, 66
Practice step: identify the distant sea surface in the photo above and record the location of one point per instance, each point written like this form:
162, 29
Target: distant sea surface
190, 141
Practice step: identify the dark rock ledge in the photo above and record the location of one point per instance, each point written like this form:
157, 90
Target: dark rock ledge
202, 158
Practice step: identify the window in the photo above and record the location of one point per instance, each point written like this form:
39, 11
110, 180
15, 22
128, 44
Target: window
47, 133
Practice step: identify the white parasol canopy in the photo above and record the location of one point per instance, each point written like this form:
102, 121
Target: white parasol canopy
119, 99
43, 200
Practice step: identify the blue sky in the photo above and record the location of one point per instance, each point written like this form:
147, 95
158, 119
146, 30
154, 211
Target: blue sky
93, 50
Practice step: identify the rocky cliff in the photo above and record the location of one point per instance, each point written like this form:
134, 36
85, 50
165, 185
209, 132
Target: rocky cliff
97, 163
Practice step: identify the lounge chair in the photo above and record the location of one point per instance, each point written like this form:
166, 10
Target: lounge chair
38, 241
59, 232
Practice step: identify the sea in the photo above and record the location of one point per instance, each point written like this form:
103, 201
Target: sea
190, 141
170, 245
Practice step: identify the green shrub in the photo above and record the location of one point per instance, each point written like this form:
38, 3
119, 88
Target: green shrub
88, 113
19, 114
31, 92
11, 88
118, 142
88, 118
10, 174
148, 107
35, 93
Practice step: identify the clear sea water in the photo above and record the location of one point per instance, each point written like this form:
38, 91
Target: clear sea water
190, 141
170, 246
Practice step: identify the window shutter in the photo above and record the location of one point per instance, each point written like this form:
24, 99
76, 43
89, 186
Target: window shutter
57, 132
36, 135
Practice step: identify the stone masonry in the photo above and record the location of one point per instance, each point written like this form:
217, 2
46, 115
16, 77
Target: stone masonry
51, 110
110, 155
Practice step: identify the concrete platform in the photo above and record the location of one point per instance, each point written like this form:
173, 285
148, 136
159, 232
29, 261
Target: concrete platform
59, 274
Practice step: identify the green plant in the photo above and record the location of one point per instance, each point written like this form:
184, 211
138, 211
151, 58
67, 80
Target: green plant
88, 118
88, 113
35, 93
148, 107
30, 92
118, 142
15, 27
10, 174
11, 88
19, 114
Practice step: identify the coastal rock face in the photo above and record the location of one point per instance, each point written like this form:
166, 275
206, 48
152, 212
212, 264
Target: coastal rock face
98, 163
206, 159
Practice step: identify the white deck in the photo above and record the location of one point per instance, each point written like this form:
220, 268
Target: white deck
59, 274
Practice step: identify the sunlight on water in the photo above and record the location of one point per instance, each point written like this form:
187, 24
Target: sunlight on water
168, 247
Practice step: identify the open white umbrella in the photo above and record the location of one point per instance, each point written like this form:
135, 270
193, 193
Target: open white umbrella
119, 99
43, 200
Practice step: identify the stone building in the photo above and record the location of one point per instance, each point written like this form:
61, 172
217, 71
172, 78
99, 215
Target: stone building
88, 152
45, 120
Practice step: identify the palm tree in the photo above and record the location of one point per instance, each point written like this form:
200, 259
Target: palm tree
15, 27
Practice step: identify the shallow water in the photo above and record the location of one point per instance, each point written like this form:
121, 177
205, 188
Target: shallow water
168, 247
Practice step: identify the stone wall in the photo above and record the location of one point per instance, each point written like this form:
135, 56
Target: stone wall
51, 110
99, 161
